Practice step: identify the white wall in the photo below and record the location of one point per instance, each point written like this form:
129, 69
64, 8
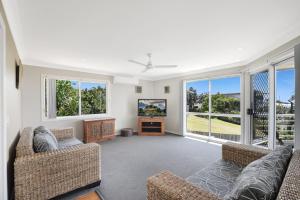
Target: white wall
174, 103
123, 100
124, 103
12, 99
3, 187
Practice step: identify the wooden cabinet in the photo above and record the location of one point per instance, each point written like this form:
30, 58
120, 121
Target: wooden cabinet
97, 130
151, 126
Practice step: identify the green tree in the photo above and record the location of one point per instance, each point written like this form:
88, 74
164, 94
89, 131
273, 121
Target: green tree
292, 102
225, 104
191, 98
93, 101
203, 100
67, 99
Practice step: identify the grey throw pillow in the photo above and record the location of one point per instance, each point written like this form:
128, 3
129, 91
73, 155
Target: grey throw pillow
44, 130
43, 142
262, 178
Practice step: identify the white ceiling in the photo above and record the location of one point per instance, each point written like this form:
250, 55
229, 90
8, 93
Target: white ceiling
101, 35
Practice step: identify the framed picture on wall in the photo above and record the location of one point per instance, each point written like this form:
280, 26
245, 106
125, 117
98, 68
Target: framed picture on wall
18, 70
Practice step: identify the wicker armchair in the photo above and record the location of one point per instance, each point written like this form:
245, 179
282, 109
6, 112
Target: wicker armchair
167, 186
50, 174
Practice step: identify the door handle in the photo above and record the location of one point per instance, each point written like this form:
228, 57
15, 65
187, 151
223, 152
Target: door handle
250, 111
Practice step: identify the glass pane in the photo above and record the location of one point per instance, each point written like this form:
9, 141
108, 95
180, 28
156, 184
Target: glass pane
197, 96
260, 105
198, 124
67, 98
285, 106
228, 128
225, 95
93, 98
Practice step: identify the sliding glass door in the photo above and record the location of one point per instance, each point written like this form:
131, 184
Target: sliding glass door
197, 99
260, 96
213, 108
285, 104
272, 100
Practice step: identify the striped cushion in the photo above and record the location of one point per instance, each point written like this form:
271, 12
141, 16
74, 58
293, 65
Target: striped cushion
43, 129
43, 142
218, 178
262, 178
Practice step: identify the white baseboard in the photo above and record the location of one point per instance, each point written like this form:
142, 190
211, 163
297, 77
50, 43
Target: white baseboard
174, 133
118, 132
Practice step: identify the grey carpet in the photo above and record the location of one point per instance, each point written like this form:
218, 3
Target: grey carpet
128, 161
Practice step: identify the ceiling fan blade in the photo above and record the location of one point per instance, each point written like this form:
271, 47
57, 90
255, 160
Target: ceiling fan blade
136, 62
165, 66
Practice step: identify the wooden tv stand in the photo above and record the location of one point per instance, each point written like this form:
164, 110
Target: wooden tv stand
151, 126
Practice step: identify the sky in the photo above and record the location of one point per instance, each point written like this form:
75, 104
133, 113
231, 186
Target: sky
89, 85
285, 85
224, 85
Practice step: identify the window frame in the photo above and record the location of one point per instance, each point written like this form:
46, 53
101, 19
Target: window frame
80, 80
284, 65
271, 66
211, 114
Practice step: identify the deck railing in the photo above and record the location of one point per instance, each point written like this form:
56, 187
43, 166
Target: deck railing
285, 130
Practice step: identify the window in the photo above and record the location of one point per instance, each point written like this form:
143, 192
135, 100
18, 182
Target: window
225, 95
70, 97
285, 106
273, 105
213, 108
197, 98
93, 98
67, 97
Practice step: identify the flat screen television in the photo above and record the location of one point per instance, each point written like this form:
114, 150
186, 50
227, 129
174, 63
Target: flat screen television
152, 107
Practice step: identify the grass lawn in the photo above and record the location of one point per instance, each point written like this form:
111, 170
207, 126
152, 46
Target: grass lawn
200, 124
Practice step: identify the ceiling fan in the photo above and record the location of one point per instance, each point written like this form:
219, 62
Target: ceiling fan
149, 65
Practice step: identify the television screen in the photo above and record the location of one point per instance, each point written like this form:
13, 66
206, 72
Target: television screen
152, 107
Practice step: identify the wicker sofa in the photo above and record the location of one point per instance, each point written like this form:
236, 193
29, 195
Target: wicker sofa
50, 174
167, 186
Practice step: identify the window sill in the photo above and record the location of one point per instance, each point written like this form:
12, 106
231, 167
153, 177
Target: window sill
69, 118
